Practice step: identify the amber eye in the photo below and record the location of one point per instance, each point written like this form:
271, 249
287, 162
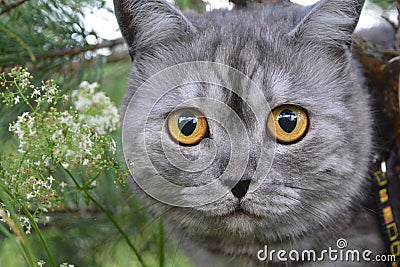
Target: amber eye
187, 126
288, 123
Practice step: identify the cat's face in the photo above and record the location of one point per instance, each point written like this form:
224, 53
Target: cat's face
282, 115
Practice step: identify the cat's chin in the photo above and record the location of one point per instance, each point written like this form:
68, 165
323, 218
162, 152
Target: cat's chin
230, 220
240, 221
236, 219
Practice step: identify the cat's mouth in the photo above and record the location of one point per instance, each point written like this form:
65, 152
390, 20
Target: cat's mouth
239, 210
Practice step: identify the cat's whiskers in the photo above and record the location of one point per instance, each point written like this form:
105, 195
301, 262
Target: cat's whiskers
319, 191
291, 238
305, 205
141, 208
167, 237
329, 226
179, 240
301, 188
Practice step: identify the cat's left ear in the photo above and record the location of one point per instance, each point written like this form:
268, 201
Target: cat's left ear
148, 24
330, 22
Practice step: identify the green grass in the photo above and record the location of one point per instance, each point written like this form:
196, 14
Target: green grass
9, 254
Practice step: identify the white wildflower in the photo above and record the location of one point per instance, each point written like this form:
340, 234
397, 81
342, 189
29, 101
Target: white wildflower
50, 99
113, 146
74, 93
26, 224
35, 92
65, 165
32, 132
16, 99
95, 108
24, 74
51, 179
63, 184
52, 90
84, 85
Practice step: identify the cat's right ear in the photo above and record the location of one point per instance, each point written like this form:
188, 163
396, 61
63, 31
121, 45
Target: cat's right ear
329, 22
148, 24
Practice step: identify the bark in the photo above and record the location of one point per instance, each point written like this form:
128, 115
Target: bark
382, 69
80, 49
11, 6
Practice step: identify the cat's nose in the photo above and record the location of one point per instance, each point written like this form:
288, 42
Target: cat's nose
240, 189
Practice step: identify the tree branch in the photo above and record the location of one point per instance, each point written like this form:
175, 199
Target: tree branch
382, 74
12, 6
80, 49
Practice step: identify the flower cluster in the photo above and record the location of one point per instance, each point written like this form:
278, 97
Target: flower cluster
42, 263
95, 108
24, 78
21, 80
69, 142
53, 144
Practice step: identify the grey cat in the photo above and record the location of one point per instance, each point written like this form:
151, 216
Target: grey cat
315, 120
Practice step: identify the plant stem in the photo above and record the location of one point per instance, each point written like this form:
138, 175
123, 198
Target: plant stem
24, 98
161, 244
16, 227
39, 233
109, 216
85, 186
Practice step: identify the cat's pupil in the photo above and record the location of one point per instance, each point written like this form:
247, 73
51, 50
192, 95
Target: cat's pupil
187, 123
287, 120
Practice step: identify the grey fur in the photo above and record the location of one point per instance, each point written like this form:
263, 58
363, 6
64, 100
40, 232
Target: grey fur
315, 190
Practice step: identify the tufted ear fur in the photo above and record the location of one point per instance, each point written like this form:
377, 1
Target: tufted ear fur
330, 22
148, 24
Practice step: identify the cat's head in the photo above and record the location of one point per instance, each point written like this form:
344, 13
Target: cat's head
265, 97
